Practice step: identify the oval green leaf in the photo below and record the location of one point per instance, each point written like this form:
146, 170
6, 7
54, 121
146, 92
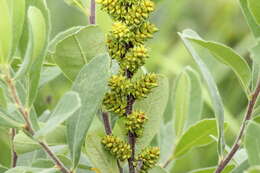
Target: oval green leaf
213, 91
73, 52
252, 143
254, 7
225, 55
196, 136
228, 169
66, 107
91, 85
181, 102
5, 31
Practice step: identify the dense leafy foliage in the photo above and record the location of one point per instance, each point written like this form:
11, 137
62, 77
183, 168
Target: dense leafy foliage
110, 95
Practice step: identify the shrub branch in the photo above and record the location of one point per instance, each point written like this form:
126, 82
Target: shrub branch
237, 143
28, 126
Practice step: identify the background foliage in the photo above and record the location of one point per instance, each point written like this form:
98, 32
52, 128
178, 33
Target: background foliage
218, 20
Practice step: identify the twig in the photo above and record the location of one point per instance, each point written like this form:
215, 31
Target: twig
52, 155
108, 129
14, 154
92, 17
131, 136
18, 103
119, 167
106, 122
237, 143
167, 162
28, 125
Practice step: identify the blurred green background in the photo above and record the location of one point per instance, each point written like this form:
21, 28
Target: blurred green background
219, 20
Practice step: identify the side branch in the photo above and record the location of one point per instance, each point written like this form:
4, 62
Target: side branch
14, 154
28, 125
237, 143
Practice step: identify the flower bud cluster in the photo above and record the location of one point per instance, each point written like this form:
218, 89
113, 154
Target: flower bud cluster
117, 147
148, 158
135, 122
125, 44
144, 86
120, 87
115, 103
132, 12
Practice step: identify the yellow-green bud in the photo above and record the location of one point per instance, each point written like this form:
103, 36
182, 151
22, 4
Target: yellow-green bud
115, 103
144, 86
135, 122
117, 50
143, 33
120, 85
117, 147
149, 157
134, 58
120, 32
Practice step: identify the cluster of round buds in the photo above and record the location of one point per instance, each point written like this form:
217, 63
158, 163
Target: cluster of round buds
120, 85
117, 50
115, 103
115, 8
132, 12
135, 122
144, 32
134, 58
120, 32
144, 86
139, 12
117, 147
148, 158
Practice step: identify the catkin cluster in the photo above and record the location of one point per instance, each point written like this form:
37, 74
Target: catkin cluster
125, 43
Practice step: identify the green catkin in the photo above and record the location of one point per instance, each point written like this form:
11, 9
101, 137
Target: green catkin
125, 43
135, 122
144, 86
148, 157
117, 147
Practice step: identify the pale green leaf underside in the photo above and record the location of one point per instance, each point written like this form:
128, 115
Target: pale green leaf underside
181, 101
99, 157
250, 19
77, 49
8, 121
37, 39
228, 169
196, 99
227, 56
66, 107
24, 144
18, 17
154, 106
21, 169
213, 91
255, 169
91, 84
254, 7
252, 143
158, 169
5, 31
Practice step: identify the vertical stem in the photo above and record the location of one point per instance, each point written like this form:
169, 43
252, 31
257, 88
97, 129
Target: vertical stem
14, 154
131, 136
106, 122
92, 17
108, 129
237, 143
